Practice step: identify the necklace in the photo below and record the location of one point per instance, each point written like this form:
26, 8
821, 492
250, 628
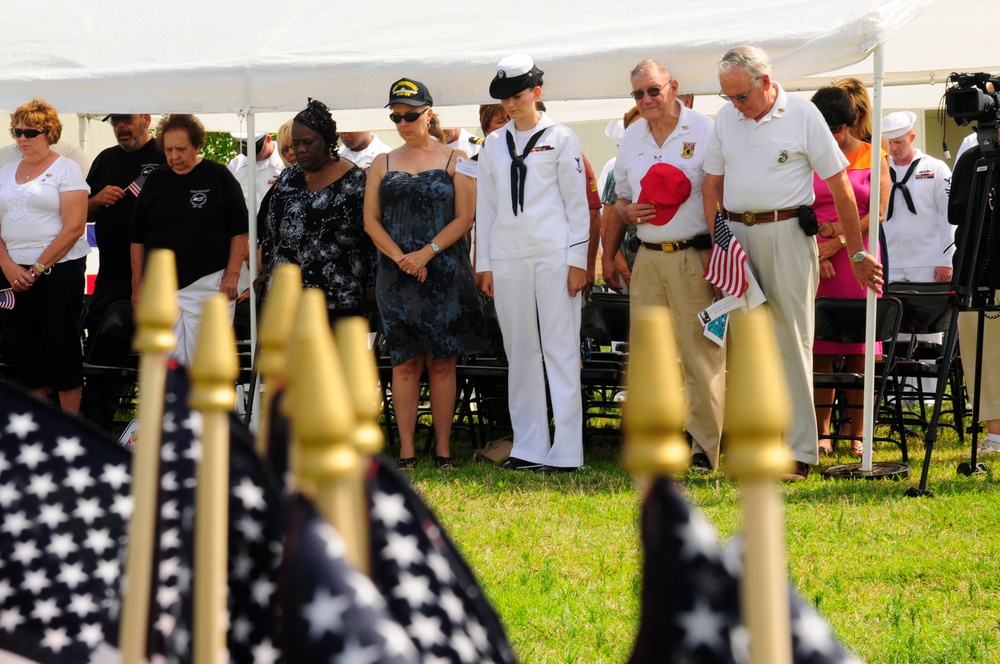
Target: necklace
27, 174
310, 176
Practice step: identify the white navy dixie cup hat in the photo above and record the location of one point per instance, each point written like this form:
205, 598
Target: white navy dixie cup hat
514, 73
897, 124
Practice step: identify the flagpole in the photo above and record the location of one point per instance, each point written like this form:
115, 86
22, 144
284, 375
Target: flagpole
873, 245
275, 329
214, 370
252, 257
155, 314
655, 405
322, 420
758, 456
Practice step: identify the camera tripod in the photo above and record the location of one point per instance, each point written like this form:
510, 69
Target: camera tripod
973, 287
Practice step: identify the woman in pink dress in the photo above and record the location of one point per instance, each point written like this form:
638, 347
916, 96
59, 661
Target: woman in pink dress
836, 277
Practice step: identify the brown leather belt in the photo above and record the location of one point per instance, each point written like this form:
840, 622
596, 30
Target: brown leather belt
669, 247
752, 218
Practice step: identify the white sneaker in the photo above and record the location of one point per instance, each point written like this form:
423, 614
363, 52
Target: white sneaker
985, 448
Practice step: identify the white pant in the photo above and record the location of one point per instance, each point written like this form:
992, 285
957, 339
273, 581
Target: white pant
190, 301
538, 318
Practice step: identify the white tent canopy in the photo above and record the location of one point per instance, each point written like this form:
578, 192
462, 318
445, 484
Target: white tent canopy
192, 56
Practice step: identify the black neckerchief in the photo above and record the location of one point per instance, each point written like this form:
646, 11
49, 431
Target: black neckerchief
518, 169
901, 186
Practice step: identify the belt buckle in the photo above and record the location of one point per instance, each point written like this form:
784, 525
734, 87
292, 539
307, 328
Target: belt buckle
668, 247
749, 218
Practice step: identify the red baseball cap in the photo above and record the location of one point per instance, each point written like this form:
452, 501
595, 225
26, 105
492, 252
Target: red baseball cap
666, 187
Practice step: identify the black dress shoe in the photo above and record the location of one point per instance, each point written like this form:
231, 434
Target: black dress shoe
520, 464
552, 470
700, 463
800, 473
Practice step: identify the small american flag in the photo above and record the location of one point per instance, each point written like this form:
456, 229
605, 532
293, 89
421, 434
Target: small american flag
136, 186
727, 264
7, 298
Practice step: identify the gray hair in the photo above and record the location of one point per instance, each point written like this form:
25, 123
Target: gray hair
649, 65
754, 61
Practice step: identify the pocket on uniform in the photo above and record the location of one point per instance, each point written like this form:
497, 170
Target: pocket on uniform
781, 154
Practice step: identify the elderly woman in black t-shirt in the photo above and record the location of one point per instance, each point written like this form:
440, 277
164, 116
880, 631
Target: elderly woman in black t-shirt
195, 207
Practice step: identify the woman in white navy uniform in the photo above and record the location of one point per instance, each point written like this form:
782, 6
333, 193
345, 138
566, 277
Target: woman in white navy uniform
533, 227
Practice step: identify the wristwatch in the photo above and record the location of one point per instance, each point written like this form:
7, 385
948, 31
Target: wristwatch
435, 248
859, 257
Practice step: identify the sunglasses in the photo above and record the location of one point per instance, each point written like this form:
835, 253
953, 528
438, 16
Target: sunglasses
740, 98
118, 119
652, 92
27, 133
837, 129
409, 117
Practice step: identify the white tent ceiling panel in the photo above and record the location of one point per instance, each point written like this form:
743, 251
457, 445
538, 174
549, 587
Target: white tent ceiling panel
194, 56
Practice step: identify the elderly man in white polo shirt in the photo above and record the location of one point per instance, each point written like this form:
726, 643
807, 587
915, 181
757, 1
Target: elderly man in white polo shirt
761, 157
674, 239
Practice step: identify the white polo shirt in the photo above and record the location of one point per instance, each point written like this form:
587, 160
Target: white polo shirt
364, 158
768, 165
685, 148
555, 215
267, 172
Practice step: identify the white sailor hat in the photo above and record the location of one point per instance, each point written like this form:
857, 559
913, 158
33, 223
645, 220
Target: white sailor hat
242, 135
514, 73
897, 124
615, 130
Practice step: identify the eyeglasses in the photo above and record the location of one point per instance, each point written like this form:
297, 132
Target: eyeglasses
740, 98
409, 117
653, 91
27, 133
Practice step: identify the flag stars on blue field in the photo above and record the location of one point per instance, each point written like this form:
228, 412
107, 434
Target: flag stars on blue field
325, 613
21, 425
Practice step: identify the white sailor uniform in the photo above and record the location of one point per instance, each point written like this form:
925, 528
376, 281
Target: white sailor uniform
529, 254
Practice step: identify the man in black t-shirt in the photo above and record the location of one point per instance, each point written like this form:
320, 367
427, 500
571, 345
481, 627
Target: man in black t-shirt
115, 179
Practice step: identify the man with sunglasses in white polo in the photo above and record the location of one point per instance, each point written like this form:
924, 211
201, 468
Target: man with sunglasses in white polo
674, 243
763, 151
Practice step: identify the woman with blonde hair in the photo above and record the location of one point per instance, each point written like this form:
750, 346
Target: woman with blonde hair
285, 149
418, 209
43, 215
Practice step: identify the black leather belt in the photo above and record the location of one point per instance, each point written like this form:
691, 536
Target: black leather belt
752, 218
702, 241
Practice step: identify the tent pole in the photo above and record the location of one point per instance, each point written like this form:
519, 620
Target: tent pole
252, 229
873, 226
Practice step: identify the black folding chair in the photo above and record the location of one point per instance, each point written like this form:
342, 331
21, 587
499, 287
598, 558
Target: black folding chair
604, 325
927, 309
843, 320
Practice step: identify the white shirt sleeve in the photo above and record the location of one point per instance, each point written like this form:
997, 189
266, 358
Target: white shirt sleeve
486, 211
573, 189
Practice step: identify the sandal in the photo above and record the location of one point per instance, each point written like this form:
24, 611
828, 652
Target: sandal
406, 463
825, 450
444, 463
857, 448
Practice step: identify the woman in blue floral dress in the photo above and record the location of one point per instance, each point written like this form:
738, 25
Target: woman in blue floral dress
418, 210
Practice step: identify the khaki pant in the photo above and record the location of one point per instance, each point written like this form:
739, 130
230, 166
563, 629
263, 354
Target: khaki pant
675, 280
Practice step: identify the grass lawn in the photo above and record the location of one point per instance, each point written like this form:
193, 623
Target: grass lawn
901, 580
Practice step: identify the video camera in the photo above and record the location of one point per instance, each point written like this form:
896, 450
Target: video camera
975, 98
